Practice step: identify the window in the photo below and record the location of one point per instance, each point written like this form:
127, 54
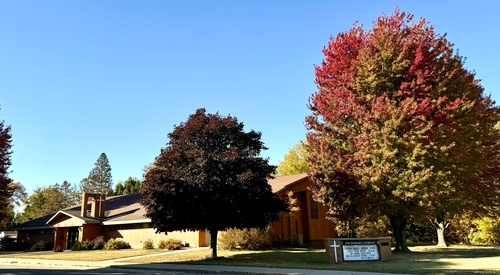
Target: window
314, 208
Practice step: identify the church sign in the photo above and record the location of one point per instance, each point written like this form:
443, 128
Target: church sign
339, 250
366, 250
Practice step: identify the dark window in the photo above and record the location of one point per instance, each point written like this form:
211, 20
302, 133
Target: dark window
314, 209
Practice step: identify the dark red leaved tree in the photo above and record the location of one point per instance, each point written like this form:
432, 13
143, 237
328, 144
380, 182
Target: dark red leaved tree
210, 176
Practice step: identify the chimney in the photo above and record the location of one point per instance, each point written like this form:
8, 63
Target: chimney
97, 205
85, 199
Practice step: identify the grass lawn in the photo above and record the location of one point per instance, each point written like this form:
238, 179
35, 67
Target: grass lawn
423, 259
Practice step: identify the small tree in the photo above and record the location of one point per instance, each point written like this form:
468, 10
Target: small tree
99, 180
210, 177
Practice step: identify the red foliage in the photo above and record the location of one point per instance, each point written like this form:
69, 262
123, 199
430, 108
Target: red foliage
393, 111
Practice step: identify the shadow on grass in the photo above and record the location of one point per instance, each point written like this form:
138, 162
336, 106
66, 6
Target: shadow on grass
434, 261
461, 252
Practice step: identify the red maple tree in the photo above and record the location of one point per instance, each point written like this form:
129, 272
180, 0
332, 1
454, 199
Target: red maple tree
399, 127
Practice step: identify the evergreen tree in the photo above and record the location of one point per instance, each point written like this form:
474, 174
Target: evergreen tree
99, 180
5, 162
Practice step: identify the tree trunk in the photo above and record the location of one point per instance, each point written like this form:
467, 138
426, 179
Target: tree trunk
440, 227
213, 242
398, 225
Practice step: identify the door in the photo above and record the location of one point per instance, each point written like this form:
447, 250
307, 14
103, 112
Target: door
72, 236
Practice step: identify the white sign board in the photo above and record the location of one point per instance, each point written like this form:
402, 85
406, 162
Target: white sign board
360, 250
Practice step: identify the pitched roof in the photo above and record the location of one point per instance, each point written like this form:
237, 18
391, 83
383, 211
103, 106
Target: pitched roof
74, 214
119, 210
125, 209
38, 223
281, 182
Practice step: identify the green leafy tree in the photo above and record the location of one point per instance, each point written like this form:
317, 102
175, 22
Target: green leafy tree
48, 200
295, 161
400, 128
5, 162
130, 186
18, 195
99, 180
210, 176
119, 189
72, 195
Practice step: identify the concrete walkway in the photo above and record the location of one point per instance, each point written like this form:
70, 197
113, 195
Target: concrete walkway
208, 269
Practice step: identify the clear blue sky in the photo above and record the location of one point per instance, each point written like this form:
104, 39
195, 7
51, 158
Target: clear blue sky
78, 78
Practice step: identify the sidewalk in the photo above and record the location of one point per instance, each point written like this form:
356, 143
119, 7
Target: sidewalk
212, 269
208, 269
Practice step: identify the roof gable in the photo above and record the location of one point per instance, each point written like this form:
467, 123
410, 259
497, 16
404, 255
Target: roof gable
280, 183
62, 216
123, 209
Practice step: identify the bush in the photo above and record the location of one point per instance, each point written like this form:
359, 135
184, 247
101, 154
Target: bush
115, 244
7, 243
98, 243
77, 246
248, 239
170, 244
39, 246
87, 245
459, 230
148, 244
487, 231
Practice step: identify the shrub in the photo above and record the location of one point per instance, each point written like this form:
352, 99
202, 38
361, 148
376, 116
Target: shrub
249, 239
487, 231
115, 244
170, 244
148, 244
459, 230
77, 246
7, 243
98, 243
231, 239
39, 246
87, 245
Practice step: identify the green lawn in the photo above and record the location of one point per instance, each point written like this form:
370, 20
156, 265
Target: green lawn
423, 259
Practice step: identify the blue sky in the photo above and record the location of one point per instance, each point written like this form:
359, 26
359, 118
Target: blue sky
78, 78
